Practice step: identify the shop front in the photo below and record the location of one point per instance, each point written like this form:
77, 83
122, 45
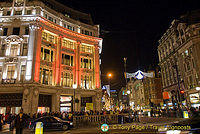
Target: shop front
10, 103
66, 103
84, 101
194, 100
44, 103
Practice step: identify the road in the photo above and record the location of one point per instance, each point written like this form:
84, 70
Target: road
113, 129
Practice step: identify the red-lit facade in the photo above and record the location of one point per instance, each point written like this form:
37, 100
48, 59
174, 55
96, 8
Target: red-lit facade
61, 64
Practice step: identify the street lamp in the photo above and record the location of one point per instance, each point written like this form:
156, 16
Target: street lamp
109, 77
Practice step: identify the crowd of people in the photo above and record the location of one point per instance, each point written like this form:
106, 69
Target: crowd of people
15, 119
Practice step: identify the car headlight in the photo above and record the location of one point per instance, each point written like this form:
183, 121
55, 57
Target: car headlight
173, 131
71, 123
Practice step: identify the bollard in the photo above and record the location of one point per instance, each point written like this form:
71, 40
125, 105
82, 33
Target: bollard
39, 128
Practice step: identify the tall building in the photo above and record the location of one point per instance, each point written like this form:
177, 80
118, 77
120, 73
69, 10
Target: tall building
49, 57
179, 56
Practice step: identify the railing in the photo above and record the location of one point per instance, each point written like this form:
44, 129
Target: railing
96, 120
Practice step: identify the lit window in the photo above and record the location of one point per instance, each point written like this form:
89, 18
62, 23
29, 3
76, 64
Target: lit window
44, 36
86, 63
23, 71
11, 72
86, 81
14, 50
67, 79
85, 48
46, 54
67, 59
46, 76
25, 49
68, 44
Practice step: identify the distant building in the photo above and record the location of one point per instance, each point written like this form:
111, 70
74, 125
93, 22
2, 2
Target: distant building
49, 56
145, 93
179, 52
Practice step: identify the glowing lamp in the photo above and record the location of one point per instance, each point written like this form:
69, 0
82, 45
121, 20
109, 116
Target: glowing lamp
197, 88
182, 92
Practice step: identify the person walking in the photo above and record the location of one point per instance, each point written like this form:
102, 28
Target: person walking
20, 122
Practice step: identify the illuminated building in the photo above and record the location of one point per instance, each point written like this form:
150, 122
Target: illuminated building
146, 92
48, 52
178, 52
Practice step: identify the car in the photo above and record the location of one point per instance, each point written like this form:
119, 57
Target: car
51, 123
187, 126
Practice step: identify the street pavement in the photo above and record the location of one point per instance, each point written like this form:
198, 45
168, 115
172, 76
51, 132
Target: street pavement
128, 128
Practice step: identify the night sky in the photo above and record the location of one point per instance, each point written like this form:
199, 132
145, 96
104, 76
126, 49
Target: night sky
131, 28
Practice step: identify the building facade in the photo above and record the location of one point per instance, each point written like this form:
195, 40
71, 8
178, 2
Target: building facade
49, 57
145, 93
179, 59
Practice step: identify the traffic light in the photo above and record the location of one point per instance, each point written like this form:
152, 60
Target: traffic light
182, 95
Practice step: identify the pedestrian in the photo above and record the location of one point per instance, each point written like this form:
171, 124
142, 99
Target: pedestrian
20, 122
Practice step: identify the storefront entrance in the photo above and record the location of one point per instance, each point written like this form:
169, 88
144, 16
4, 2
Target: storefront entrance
44, 103
10, 103
66, 103
85, 100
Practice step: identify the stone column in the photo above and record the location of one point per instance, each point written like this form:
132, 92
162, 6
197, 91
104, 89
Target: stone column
58, 61
26, 102
36, 54
35, 99
56, 102
78, 105
30, 100
78, 77
97, 67
32, 42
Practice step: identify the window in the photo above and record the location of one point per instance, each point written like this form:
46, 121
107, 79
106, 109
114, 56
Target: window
2, 50
46, 76
67, 59
51, 38
45, 16
11, 72
65, 25
18, 12
23, 71
86, 32
86, 63
46, 54
14, 50
16, 30
68, 44
86, 82
50, 18
29, 12
8, 13
44, 36
69, 27
25, 49
5, 31
67, 79
86, 48
26, 30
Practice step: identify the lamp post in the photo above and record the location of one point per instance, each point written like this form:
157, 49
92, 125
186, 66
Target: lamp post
109, 78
